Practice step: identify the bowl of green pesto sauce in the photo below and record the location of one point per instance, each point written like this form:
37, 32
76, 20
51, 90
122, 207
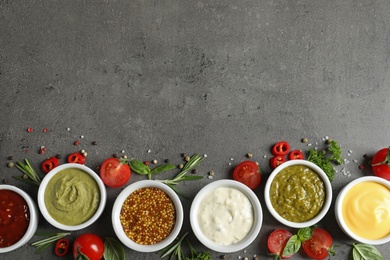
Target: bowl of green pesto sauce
298, 193
71, 197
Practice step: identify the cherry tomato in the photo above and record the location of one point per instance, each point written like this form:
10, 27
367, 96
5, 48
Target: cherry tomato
319, 245
49, 164
76, 158
248, 173
89, 245
114, 173
381, 163
281, 148
276, 161
296, 155
277, 240
62, 247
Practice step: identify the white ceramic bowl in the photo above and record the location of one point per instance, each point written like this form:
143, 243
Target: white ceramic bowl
339, 216
328, 194
32, 227
41, 197
257, 216
116, 211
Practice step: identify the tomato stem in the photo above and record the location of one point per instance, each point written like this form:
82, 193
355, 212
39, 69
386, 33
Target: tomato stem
385, 161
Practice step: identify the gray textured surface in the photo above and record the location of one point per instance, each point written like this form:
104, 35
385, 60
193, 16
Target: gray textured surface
210, 77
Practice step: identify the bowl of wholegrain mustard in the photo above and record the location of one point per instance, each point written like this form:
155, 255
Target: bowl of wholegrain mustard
147, 216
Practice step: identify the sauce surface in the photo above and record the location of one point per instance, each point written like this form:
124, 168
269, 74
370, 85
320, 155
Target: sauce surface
72, 196
366, 210
148, 216
14, 217
225, 216
297, 193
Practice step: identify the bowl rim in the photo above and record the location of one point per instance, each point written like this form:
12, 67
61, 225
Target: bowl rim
328, 194
257, 212
339, 215
33, 224
116, 209
41, 197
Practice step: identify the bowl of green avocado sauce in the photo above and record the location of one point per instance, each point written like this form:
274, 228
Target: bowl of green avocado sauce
71, 197
298, 193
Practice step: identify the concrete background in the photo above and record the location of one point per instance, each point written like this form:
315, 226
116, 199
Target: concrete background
153, 79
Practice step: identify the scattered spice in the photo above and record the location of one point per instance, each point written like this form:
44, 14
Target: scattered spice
76, 142
45, 130
10, 158
249, 155
180, 166
154, 161
30, 129
146, 162
94, 143
186, 158
10, 164
304, 140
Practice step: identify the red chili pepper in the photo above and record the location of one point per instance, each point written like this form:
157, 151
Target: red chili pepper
276, 161
281, 148
296, 155
62, 247
49, 164
76, 158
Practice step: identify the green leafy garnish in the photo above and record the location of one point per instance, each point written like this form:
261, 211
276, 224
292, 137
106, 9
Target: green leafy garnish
193, 162
197, 256
30, 175
46, 242
323, 161
143, 169
295, 242
365, 252
335, 149
113, 250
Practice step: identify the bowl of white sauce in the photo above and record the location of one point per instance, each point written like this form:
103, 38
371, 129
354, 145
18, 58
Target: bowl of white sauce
226, 216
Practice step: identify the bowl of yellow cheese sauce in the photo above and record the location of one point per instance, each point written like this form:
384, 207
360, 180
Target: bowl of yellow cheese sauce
362, 210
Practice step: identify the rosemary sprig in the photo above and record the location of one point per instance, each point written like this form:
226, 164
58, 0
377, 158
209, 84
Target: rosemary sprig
174, 249
182, 175
46, 242
30, 175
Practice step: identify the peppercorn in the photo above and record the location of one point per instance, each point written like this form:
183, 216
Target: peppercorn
25, 176
94, 143
5, 181
10, 164
58, 156
211, 173
194, 171
304, 140
180, 166
154, 161
10, 158
223, 256
166, 160
249, 155
183, 155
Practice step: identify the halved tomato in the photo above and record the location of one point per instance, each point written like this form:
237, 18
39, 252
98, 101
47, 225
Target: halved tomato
319, 245
248, 173
277, 241
114, 172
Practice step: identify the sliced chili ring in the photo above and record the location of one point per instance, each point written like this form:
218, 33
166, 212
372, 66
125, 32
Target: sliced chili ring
49, 164
281, 148
276, 161
296, 155
76, 158
62, 247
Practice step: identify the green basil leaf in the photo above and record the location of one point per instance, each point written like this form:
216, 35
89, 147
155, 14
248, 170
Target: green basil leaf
292, 246
139, 167
163, 168
305, 233
113, 250
365, 252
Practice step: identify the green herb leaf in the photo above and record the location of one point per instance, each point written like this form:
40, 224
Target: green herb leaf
318, 158
31, 175
335, 149
305, 234
292, 246
139, 167
365, 252
113, 250
163, 168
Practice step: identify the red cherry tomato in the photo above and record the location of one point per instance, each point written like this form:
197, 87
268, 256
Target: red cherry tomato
277, 240
49, 164
114, 173
281, 148
276, 161
89, 245
76, 158
296, 155
319, 245
381, 163
62, 247
247, 172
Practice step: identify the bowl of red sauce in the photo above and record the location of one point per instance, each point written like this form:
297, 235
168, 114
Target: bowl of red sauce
18, 218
